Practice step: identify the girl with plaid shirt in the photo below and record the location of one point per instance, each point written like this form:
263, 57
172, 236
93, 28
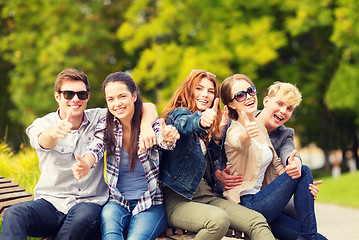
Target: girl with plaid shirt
135, 208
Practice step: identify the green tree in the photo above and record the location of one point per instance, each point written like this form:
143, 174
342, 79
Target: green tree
48, 36
172, 37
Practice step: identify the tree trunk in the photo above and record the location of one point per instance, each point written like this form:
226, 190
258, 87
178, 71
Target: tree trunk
326, 157
355, 147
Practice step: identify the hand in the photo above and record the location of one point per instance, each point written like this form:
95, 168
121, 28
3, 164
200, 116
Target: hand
147, 138
227, 180
209, 115
251, 126
63, 128
294, 167
80, 168
168, 132
314, 189
223, 119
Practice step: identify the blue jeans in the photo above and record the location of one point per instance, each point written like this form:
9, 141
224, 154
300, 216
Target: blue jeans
117, 222
40, 218
272, 199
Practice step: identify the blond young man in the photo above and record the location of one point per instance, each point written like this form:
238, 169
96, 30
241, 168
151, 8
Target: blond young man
279, 105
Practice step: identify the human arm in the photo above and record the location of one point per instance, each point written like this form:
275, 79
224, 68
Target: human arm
227, 180
169, 133
242, 138
83, 165
294, 167
147, 135
282, 139
48, 138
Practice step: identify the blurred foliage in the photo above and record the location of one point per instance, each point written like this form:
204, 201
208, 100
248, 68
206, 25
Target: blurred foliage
313, 44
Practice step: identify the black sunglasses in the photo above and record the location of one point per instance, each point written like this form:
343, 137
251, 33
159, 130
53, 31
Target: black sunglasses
82, 95
242, 95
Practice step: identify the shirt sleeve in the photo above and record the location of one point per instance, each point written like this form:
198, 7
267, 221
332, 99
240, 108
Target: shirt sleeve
185, 121
36, 128
156, 129
97, 146
287, 145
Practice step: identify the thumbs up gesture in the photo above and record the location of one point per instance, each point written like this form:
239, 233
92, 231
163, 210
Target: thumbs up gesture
82, 166
63, 128
251, 126
209, 115
168, 132
294, 167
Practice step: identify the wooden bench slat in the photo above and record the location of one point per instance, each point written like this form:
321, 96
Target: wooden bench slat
5, 180
11, 189
4, 205
7, 185
9, 196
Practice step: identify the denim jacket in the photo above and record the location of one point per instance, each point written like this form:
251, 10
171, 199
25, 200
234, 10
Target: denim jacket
183, 168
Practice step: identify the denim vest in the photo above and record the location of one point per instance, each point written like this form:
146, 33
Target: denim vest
183, 168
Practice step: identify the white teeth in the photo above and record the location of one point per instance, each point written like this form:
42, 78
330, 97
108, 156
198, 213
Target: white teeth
203, 101
279, 118
249, 103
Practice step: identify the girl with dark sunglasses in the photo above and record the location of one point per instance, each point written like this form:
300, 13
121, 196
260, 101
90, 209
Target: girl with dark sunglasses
267, 186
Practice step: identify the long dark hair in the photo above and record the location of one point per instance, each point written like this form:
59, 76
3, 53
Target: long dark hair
109, 139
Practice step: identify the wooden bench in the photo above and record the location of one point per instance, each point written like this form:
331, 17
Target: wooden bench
11, 193
177, 233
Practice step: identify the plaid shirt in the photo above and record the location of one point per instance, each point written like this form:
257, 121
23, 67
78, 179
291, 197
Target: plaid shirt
149, 160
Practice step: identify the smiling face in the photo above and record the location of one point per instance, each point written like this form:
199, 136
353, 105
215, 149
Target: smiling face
276, 112
204, 94
249, 105
120, 101
76, 105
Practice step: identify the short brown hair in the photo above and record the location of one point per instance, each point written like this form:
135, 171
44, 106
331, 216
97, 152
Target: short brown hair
71, 74
226, 92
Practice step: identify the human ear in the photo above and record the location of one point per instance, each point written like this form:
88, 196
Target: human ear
265, 100
231, 105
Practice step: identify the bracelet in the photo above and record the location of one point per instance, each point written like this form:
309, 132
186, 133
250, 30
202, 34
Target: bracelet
217, 138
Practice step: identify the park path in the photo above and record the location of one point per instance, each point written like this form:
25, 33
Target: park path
335, 222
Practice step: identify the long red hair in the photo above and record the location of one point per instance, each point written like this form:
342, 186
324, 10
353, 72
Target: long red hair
184, 95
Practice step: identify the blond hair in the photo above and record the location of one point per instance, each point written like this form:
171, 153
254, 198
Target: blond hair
287, 92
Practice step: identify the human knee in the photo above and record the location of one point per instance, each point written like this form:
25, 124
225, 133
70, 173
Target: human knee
306, 171
258, 221
86, 214
219, 220
15, 215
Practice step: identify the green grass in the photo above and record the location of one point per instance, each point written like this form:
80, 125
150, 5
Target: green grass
22, 168
343, 191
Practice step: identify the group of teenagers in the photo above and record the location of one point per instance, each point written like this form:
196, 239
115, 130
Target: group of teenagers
197, 168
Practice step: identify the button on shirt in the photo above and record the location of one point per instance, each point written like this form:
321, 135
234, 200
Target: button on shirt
57, 184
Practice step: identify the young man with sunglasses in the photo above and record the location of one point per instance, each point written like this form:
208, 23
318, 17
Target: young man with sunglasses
279, 106
64, 207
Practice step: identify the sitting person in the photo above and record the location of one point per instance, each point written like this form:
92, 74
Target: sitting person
135, 207
64, 207
279, 105
186, 171
267, 185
